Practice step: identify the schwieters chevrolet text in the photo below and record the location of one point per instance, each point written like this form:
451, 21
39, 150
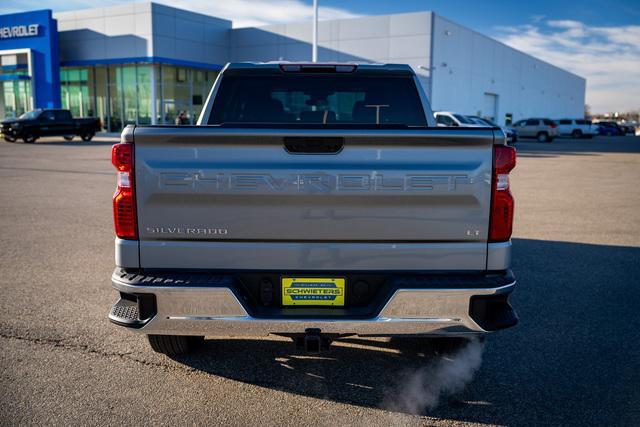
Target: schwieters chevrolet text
314, 201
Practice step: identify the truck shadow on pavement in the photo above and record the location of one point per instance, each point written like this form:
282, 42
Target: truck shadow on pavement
573, 359
74, 143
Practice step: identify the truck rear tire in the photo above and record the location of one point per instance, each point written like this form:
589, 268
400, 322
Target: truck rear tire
173, 345
29, 138
86, 136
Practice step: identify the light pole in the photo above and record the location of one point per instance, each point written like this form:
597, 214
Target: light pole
314, 48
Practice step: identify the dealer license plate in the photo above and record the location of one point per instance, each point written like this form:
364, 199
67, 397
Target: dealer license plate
313, 291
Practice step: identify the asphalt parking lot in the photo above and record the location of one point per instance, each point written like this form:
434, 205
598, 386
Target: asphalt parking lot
573, 359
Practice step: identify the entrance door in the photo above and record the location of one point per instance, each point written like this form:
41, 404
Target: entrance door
490, 108
15, 98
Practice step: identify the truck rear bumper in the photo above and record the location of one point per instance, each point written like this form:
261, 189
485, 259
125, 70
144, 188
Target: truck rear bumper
210, 305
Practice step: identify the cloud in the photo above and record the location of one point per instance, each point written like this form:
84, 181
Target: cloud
608, 57
537, 18
243, 13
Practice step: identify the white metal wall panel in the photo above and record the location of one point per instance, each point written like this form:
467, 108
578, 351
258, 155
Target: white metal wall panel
400, 38
142, 30
467, 65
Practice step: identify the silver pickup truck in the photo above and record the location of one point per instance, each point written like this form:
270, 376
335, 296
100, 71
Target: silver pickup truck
313, 201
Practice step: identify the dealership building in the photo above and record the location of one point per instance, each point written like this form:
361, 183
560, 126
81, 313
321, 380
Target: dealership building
145, 62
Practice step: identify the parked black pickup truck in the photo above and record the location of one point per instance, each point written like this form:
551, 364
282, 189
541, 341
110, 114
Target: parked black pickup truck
37, 123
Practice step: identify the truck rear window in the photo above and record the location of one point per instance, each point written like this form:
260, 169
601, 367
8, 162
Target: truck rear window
317, 99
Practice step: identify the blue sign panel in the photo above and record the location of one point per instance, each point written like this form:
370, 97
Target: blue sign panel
37, 31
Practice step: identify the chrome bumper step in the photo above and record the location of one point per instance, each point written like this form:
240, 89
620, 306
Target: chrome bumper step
206, 304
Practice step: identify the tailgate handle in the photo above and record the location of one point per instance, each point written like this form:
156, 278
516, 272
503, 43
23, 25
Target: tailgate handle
313, 144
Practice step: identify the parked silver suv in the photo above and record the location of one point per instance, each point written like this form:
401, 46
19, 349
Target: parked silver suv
544, 130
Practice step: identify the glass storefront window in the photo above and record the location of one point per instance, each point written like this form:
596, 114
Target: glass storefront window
176, 93
197, 98
201, 90
184, 90
15, 85
144, 94
15, 97
126, 84
116, 119
168, 107
101, 98
181, 75
128, 87
183, 99
158, 94
77, 91
123, 94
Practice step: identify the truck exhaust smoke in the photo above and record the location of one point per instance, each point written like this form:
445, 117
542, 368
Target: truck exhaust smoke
422, 389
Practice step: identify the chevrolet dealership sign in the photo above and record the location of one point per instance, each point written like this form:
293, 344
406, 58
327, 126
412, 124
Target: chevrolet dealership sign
35, 34
19, 31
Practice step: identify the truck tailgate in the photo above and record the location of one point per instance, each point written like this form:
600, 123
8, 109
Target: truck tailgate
203, 192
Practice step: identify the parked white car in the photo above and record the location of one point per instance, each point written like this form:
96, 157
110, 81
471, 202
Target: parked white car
450, 119
576, 128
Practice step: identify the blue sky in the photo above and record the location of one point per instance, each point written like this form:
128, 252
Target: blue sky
595, 39
484, 15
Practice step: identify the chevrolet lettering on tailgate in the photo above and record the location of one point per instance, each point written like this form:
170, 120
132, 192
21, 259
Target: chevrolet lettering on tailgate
322, 182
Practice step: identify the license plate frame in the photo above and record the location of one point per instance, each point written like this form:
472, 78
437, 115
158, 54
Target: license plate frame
313, 291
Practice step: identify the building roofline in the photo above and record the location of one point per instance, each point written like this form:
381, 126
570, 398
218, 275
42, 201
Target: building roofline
353, 18
29, 11
217, 66
152, 3
433, 14
144, 60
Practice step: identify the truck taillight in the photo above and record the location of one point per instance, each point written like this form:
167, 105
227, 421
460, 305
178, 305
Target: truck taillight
124, 200
501, 223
